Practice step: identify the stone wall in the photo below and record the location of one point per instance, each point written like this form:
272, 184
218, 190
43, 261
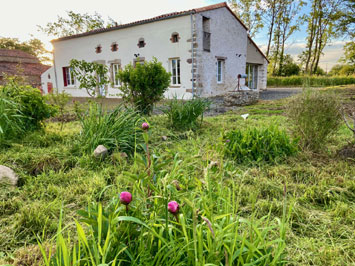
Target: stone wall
232, 99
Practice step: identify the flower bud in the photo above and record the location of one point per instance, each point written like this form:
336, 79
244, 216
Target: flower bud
125, 197
173, 207
145, 126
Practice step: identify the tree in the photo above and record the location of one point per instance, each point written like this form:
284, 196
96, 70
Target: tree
321, 30
270, 13
345, 18
144, 84
346, 27
249, 12
91, 75
349, 53
34, 47
290, 23
75, 23
286, 23
290, 68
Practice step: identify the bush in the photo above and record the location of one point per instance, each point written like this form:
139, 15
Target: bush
59, 101
310, 81
258, 145
144, 84
31, 103
22, 109
315, 116
116, 129
184, 115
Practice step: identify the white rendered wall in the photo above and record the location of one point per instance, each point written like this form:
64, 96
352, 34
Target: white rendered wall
47, 76
228, 38
255, 57
157, 38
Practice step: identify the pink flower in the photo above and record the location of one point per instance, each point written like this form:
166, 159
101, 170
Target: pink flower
125, 197
145, 126
173, 207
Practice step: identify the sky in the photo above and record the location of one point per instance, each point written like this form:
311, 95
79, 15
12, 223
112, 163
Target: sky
19, 19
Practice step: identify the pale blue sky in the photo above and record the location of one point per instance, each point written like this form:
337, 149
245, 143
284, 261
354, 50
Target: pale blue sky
18, 19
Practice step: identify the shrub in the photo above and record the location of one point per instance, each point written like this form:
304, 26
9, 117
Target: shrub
315, 116
59, 101
310, 81
144, 84
258, 145
184, 115
31, 103
87, 74
116, 129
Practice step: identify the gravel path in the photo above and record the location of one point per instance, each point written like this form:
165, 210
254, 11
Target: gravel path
278, 93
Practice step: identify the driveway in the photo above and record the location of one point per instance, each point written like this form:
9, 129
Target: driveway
278, 93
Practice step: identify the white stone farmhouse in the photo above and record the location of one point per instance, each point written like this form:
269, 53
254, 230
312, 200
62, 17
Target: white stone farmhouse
204, 48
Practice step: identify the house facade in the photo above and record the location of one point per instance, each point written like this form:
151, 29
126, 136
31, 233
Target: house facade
204, 49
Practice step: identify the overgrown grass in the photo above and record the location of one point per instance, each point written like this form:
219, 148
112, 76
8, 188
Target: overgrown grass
258, 145
319, 189
183, 115
115, 129
11, 120
310, 81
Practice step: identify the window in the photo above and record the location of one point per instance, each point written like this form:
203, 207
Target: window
114, 47
68, 76
141, 43
98, 49
115, 69
175, 71
220, 71
206, 34
138, 61
174, 37
102, 89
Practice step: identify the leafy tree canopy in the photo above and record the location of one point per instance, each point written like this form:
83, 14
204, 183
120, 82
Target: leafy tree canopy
34, 47
91, 75
75, 23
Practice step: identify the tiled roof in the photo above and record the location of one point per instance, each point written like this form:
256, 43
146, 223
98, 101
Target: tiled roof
161, 17
16, 53
29, 69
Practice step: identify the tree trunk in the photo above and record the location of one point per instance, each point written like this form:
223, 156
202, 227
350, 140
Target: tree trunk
271, 29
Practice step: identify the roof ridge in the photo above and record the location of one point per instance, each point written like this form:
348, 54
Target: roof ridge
153, 19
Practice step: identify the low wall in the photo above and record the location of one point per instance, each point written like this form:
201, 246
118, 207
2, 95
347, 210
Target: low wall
230, 100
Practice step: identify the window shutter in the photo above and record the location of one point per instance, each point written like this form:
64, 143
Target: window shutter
65, 76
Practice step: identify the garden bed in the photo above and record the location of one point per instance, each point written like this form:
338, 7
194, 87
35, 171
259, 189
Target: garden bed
318, 189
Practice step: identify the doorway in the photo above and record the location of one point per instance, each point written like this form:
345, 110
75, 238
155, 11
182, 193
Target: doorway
252, 76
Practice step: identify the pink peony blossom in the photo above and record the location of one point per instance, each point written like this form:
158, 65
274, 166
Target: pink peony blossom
173, 207
145, 126
125, 197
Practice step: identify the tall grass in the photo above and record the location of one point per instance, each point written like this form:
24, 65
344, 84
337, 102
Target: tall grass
205, 234
11, 119
114, 130
310, 81
184, 115
254, 145
315, 117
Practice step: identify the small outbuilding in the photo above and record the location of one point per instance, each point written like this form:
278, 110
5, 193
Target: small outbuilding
17, 62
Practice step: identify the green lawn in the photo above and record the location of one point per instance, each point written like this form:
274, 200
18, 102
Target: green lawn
320, 187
